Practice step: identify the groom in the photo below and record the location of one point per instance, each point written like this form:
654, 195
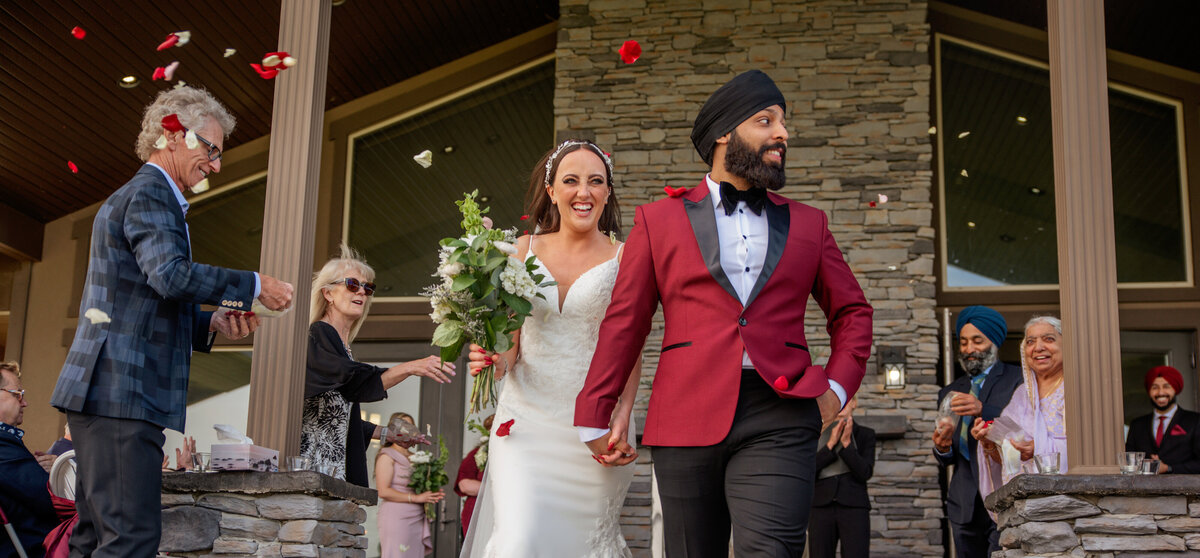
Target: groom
737, 404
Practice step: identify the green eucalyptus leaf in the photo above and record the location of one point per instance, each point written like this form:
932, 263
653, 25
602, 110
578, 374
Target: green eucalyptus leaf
448, 333
462, 281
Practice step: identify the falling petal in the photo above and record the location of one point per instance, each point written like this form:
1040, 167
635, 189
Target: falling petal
230, 52
161, 142
97, 316
180, 85
630, 52
424, 158
168, 42
271, 60
200, 187
71, 165
171, 123
78, 33
169, 71
184, 37
265, 73
524, 217
159, 73
190, 139
404, 548
289, 61
871, 204
883, 198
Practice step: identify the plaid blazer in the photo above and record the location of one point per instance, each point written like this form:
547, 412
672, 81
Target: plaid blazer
141, 274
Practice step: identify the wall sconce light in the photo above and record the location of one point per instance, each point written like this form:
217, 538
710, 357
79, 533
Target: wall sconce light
892, 366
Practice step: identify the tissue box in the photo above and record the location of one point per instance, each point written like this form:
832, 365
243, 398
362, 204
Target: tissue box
243, 457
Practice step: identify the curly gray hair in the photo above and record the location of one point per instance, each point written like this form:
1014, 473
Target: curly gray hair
193, 106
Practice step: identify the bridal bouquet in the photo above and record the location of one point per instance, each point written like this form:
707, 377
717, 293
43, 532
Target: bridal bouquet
483, 296
429, 473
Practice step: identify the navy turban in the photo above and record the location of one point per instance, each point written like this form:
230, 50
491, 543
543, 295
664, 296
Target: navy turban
731, 105
986, 320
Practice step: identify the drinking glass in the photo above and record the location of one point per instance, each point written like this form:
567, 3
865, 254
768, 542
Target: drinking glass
1130, 462
1149, 467
1047, 464
200, 461
297, 463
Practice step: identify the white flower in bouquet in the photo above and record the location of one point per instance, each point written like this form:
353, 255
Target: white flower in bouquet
506, 247
420, 457
516, 280
481, 457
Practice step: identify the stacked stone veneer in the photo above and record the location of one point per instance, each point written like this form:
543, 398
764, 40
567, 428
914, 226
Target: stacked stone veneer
301, 515
856, 76
1109, 516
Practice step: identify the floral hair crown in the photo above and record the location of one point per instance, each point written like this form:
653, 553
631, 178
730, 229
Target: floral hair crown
554, 156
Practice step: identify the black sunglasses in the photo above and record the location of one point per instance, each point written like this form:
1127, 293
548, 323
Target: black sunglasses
353, 285
213, 152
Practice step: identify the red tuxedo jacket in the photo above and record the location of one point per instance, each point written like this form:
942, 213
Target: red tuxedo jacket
672, 256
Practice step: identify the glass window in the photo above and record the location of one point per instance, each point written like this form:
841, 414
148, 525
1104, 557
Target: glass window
997, 171
488, 140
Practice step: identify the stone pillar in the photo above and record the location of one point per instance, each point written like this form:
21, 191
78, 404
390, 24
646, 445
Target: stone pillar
277, 371
1087, 269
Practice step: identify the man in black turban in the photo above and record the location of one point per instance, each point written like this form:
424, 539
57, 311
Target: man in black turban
738, 404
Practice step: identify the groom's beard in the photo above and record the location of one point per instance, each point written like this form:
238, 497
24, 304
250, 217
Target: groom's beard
741, 159
1164, 407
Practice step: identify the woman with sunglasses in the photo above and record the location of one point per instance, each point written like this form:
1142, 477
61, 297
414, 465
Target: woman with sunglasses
333, 435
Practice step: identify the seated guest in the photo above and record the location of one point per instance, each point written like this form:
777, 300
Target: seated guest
841, 508
1037, 407
24, 498
64, 444
332, 433
1169, 433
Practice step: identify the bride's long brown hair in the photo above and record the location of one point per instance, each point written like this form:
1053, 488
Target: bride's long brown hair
544, 214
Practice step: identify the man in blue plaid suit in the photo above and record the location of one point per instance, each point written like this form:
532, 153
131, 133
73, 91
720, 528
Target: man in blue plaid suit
126, 377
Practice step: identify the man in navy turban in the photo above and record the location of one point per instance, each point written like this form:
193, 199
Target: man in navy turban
983, 391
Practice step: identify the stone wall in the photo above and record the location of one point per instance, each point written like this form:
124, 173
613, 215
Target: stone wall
856, 75
286, 515
1109, 516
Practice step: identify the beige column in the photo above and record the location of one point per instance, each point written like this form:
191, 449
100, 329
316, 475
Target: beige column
294, 163
1087, 270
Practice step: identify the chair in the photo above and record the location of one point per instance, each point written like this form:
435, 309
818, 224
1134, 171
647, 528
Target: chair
62, 476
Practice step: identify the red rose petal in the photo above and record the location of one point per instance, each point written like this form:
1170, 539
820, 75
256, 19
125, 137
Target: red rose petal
265, 73
630, 52
78, 33
71, 165
675, 192
871, 204
505, 428
781, 383
169, 42
524, 217
171, 123
159, 73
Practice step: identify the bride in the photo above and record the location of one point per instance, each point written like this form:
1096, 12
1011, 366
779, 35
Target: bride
543, 494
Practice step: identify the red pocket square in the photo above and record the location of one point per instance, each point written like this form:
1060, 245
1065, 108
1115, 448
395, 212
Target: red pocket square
1178, 430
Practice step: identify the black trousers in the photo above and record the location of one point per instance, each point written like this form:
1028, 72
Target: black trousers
835, 522
977, 539
118, 487
759, 478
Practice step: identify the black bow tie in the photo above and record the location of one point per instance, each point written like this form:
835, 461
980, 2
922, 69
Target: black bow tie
755, 198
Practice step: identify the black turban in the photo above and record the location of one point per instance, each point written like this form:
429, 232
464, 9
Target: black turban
731, 105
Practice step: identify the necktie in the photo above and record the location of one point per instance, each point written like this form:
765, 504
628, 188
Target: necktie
964, 429
1162, 424
755, 198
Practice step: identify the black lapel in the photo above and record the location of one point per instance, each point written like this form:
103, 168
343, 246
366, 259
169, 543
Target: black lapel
704, 225
994, 377
779, 221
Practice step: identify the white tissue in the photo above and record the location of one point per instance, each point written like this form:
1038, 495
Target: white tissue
230, 435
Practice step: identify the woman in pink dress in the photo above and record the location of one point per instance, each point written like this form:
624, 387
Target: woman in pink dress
403, 527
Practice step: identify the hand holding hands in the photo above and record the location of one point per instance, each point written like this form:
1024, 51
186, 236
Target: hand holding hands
614, 450
428, 497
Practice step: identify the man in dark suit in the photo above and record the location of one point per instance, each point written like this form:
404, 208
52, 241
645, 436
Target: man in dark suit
1169, 433
126, 375
24, 498
738, 404
841, 505
983, 392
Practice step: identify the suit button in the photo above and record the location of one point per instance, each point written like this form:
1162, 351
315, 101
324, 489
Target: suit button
741, 321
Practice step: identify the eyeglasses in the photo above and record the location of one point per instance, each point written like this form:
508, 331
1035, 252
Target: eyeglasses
20, 393
214, 153
353, 285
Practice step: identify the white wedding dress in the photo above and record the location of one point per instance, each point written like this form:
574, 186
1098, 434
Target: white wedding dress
543, 495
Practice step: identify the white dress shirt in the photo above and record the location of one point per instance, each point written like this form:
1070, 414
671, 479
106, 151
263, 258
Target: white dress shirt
743, 238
